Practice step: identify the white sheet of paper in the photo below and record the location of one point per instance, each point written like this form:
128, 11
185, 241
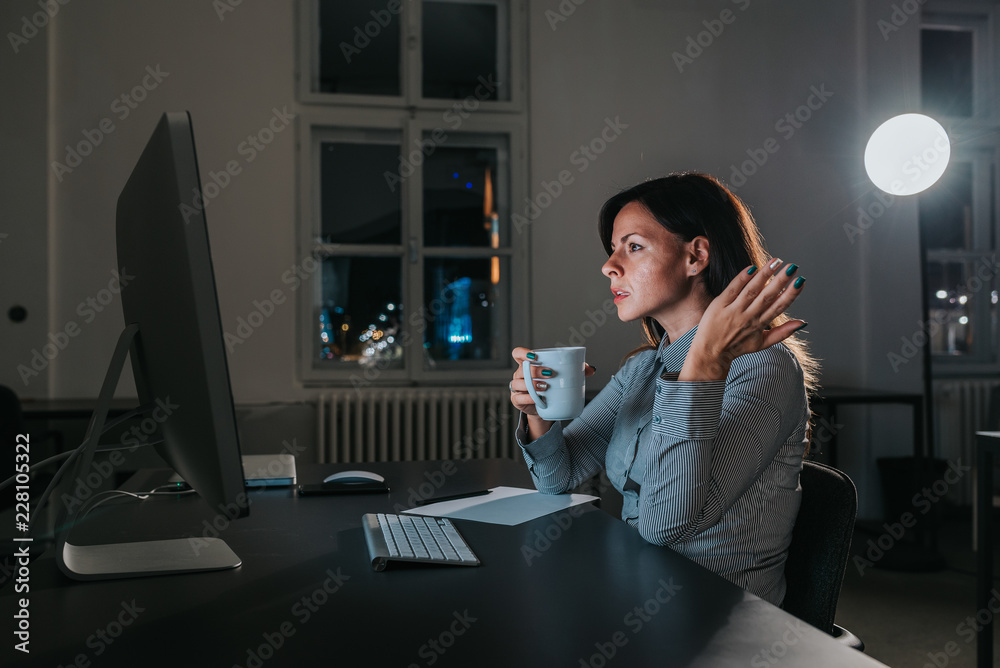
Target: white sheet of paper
503, 505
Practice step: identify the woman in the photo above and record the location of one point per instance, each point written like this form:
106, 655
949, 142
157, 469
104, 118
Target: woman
704, 427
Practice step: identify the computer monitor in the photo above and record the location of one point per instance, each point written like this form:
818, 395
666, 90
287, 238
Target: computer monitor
173, 335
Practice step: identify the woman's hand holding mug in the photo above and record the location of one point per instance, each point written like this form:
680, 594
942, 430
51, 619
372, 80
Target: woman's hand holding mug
557, 388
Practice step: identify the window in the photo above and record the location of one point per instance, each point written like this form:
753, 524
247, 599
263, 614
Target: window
958, 216
412, 154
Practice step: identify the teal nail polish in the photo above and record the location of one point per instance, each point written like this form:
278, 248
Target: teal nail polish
531, 356
802, 326
751, 270
792, 268
546, 372
798, 282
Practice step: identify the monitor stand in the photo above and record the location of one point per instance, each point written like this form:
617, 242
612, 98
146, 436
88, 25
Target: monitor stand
126, 560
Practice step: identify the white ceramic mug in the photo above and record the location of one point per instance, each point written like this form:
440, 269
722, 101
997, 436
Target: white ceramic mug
563, 399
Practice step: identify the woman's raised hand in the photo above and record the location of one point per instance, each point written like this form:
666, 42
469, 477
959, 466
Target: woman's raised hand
737, 321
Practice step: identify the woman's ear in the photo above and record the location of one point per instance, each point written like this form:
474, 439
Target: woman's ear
698, 254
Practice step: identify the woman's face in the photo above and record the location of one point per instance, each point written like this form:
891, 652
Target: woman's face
651, 270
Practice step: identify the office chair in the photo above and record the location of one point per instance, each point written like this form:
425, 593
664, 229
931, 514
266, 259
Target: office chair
821, 541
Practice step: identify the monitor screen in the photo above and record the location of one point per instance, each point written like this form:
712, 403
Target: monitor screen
173, 335
179, 356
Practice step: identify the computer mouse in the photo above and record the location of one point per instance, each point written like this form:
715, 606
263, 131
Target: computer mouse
354, 476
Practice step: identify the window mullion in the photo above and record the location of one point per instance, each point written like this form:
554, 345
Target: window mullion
347, 250
413, 259
982, 350
982, 69
411, 50
981, 192
981, 205
466, 251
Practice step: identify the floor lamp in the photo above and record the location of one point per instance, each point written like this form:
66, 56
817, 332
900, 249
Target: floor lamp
906, 155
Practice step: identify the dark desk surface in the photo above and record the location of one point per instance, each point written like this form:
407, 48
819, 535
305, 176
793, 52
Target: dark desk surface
593, 585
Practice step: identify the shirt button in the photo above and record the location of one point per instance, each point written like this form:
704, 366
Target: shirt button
656, 419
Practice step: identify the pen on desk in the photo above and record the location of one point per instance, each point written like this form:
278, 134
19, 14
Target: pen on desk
452, 497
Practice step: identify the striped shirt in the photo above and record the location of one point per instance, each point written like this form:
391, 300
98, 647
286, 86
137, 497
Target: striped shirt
708, 468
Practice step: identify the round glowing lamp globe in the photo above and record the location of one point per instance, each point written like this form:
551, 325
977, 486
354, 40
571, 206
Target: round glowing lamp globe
907, 154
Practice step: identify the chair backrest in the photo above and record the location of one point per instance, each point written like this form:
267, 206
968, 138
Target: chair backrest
821, 542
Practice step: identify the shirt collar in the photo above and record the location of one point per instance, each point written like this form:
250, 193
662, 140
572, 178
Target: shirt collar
673, 354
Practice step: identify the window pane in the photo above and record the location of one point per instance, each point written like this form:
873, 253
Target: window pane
466, 307
361, 315
358, 205
465, 197
359, 47
957, 289
946, 71
946, 210
465, 47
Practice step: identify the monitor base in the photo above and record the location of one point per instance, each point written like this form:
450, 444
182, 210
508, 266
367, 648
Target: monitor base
155, 557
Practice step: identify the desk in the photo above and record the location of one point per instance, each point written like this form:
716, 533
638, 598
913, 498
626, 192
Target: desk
832, 397
594, 586
71, 409
987, 445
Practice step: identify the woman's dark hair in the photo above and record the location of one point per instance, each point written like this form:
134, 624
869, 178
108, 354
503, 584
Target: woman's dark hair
689, 205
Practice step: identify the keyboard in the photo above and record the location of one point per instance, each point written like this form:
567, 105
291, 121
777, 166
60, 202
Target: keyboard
429, 540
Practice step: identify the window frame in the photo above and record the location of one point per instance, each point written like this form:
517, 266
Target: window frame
975, 140
985, 358
979, 24
314, 126
411, 61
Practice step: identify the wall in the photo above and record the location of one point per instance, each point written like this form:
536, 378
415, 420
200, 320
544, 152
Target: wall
595, 67
24, 220
231, 73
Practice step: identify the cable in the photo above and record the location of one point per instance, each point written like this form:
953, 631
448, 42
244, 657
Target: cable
55, 481
100, 415
69, 453
142, 496
138, 410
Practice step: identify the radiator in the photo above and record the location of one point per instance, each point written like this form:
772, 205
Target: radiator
961, 408
376, 425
